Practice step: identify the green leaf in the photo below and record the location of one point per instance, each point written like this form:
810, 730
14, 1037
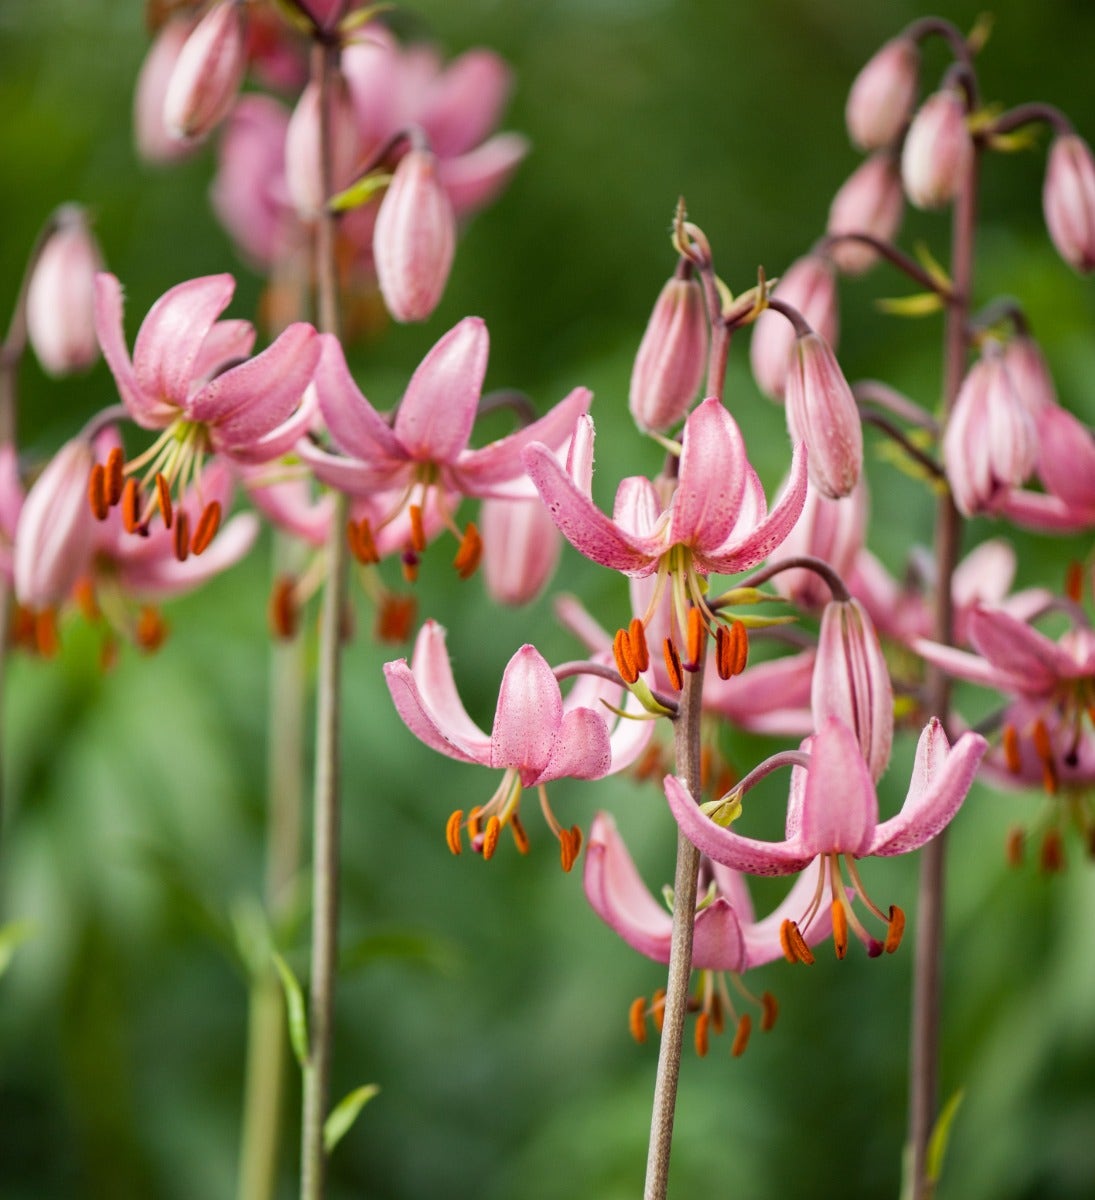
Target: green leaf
923, 304
360, 192
294, 1007
345, 1113
12, 936
937, 1143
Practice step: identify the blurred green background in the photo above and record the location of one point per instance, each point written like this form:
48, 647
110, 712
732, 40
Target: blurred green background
496, 1026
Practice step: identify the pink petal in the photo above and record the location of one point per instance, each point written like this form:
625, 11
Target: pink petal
164, 575
769, 697
711, 479
1018, 649
942, 775
529, 713
465, 102
762, 941
149, 412
438, 409
474, 179
227, 342
352, 475
581, 750
839, 808
357, 428
637, 510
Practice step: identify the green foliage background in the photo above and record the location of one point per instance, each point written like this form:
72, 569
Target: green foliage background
487, 1000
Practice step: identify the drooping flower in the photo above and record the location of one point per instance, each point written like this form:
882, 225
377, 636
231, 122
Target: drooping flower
537, 736
61, 295
810, 286
1068, 199
520, 548
832, 530
883, 94
832, 816
938, 150
207, 74
869, 201
1066, 467
822, 413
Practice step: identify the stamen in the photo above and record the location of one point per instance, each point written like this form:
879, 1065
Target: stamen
1014, 846
636, 1019
570, 845
741, 1038
46, 639
395, 617
163, 499
520, 837
115, 475
84, 594
637, 636
1074, 582
151, 630
657, 1009
785, 942
840, 928
490, 838
182, 536
794, 944
769, 1011
718, 1015
362, 545
1052, 856
452, 830
131, 506
697, 637
206, 529
650, 764
418, 532
468, 556
673, 665
895, 929
409, 562
283, 612
473, 823
1009, 743
731, 649
701, 1034
97, 492
705, 767
625, 660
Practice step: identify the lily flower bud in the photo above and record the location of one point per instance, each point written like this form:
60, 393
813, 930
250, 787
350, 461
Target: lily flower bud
809, 285
54, 539
670, 363
832, 530
154, 141
520, 548
208, 73
1030, 374
883, 95
869, 201
822, 412
61, 295
303, 169
415, 238
1068, 199
938, 150
851, 682
991, 443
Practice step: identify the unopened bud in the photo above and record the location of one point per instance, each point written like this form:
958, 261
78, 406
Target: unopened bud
870, 201
822, 412
303, 163
883, 95
832, 530
520, 548
1068, 198
415, 238
61, 295
671, 359
1030, 374
208, 73
938, 150
810, 286
154, 141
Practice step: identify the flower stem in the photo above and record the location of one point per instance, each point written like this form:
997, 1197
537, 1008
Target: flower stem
686, 737
325, 855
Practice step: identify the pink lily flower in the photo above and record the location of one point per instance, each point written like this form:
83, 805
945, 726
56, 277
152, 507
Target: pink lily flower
832, 816
182, 380
537, 736
1066, 467
808, 284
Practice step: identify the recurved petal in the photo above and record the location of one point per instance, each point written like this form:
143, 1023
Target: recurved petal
473, 179
529, 713
227, 342
582, 749
1018, 648
438, 409
711, 478
148, 411
163, 575
942, 775
357, 428
731, 849
839, 807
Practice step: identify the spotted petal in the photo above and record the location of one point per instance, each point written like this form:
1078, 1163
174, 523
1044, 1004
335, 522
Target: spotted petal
711, 479
529, 713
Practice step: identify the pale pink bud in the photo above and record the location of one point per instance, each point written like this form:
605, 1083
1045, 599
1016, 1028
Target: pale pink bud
671, 359
415, 238
822, 412
1066, 458
1068, 198
155, 142
831, 530
1030, 374
990, 444
938, 151
61, 295
208, 73
54, 539
883, 95
303, 169
810, 286
869, 201
851, 681
520, 548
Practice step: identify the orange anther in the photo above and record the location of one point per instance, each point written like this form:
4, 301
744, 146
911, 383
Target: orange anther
115, 475
731, 649
466, 562
21, 629
625, 660
785, 941
452, 830
163, 499
520, 837
673, 665
1009, 743
97, 492
182, 536
718, 1016
636, 1019
657, 1009
1052, 856
283, 612
418, 531
490, 837
895, 929
46, 639
802, 952
151, 630
741, 1037
1043, 747
701, 1034
637, 636
650, 765
705, 766
473, 823
409, 562
395, 617
131, 506
840, 928
570, 845
697, 638
769, 1011
1015, 845
206, 529
84, 594
1074, 582
359, 534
